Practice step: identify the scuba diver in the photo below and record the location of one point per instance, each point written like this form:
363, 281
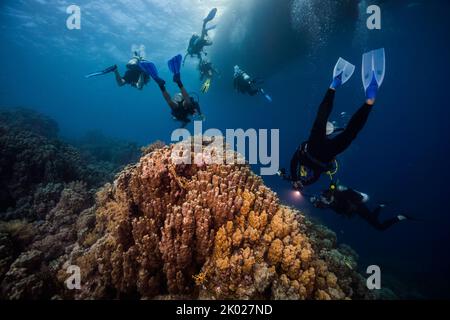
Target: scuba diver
318, 155
243, 83
207, 72
198, 43
182, 105
348, 202
134, 76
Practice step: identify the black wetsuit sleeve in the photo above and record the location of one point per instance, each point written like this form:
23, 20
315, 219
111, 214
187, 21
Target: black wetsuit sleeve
197, 108
342, 141
295, 163
319, 129
372, 218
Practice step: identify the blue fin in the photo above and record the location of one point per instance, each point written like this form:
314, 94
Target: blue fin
175, 64
211, 28
373, 71
149, 68
101, 73
211, 15
268, 98
343, 71
94, 74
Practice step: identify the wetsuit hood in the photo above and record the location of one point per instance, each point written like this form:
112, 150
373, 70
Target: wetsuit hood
133, 64
178, 98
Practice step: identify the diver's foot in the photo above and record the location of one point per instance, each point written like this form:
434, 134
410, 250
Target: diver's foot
113, 68
337, 82
370, 102
161, 83
177, 79
372, 90
411, 218
404, 217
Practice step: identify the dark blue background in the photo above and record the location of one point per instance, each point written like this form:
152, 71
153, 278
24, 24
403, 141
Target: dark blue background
400, 158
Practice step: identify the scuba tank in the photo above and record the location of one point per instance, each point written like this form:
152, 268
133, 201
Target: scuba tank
133, 64
192, 44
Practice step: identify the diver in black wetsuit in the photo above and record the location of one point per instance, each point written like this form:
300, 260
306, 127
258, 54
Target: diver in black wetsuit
317, 155
198, 43
206, 69
348, 202
244, 83
134, 76
183, 108
182, 105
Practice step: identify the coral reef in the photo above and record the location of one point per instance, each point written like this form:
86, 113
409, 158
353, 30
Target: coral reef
32, 253
35, 165
45, 187
152, 147
205, 231
161, 230
29, 120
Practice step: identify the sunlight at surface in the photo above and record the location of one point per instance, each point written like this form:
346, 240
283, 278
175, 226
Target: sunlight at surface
109, 28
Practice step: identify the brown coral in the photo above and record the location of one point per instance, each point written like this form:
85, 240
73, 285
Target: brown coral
161, 225
152, 147
32, 253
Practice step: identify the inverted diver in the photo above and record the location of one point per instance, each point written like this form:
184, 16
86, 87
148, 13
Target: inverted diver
197, 43
134, 76
245, 84
318, 154
207, 73
182, 105
349, 202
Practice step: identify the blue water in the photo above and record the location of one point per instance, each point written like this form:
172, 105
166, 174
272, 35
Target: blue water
399, 158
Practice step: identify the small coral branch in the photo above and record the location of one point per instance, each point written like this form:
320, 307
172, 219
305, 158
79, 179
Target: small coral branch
199, 278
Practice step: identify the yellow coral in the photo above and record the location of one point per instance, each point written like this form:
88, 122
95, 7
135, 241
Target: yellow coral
237, 237
199, 278
275, 252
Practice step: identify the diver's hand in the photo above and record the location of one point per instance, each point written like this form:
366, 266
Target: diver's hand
297, 185
282, 173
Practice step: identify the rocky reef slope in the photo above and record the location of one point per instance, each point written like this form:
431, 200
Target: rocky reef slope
45, 185
204, 231
35, 165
